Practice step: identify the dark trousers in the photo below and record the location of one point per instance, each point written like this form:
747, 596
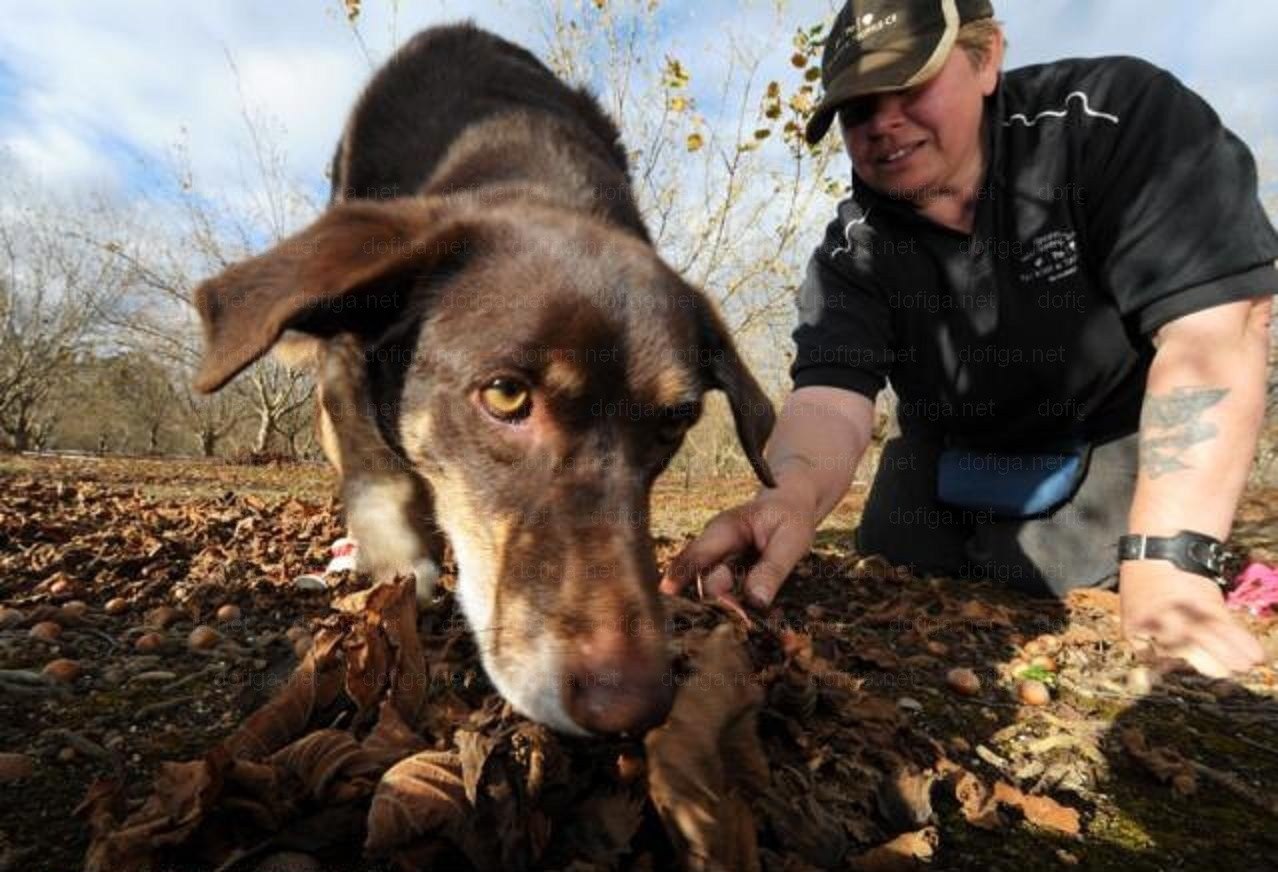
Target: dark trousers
1074, 546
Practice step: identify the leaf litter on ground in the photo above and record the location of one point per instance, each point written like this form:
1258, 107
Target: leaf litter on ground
840, 744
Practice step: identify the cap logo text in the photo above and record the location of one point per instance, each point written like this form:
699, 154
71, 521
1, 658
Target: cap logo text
867, 26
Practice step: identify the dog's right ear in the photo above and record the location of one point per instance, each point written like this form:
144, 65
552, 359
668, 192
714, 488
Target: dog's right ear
333, 277
751, 409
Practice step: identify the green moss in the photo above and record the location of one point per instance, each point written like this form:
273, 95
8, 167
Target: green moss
1038, 673
1120, 830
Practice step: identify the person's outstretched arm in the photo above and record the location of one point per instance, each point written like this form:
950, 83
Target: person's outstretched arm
818, 441
1202, 414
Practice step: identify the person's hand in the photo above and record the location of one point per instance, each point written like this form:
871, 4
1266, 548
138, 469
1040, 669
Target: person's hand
1181, 615
775, 528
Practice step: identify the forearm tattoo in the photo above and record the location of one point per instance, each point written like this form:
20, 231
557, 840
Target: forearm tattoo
1170, 423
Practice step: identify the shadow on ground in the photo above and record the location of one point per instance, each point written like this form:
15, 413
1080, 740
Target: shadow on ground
1166, 770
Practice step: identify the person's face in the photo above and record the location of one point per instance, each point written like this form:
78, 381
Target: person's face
924, 140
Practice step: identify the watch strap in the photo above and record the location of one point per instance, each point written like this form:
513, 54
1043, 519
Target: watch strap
1189, 551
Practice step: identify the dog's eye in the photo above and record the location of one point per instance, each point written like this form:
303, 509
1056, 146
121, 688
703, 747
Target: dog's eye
507, 399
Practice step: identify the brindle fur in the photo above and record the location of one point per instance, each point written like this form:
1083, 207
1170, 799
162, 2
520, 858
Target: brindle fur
482, 225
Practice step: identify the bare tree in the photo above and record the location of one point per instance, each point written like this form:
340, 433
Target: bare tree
199, 236
733, 195
143, 391
280, 393
55, 296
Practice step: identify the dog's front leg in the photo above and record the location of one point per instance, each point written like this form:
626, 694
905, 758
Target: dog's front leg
389, 508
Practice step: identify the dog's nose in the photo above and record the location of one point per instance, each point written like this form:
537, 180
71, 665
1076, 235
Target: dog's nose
614, 688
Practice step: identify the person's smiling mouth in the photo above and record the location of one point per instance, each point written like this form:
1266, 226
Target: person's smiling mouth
897, 155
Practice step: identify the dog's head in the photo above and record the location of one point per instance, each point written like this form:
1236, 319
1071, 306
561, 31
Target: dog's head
539, 369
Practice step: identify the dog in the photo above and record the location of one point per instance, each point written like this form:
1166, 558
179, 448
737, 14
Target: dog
503, 361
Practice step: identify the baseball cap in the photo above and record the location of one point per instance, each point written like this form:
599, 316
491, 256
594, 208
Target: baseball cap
887, 45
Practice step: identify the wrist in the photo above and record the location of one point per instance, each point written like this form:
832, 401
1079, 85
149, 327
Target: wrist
1188, 551
1158, 580
796, 482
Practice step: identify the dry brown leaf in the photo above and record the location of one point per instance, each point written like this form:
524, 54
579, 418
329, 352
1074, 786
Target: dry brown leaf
313, 685
383, 650
1166, 764
1042, 811
975, 800
803, 821
796, 645
502, 776
985, 614
367, 668
794, 693
103, 806
603, 826
693, 784
905, 797
891, 611
254, 791
474, 748
333, 767
327, 766
877, 656
1093, 598
878, 713
182, 795
981, 805
906, 852
537, 752
391, 739
415, 797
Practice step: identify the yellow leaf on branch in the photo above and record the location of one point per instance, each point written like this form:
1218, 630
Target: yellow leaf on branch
675, 75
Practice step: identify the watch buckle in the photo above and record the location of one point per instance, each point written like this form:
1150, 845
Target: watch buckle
1210, 554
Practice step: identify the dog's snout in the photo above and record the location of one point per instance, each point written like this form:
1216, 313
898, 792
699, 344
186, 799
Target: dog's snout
618, 684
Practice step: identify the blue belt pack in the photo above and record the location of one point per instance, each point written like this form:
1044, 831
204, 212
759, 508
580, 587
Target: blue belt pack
1016, 485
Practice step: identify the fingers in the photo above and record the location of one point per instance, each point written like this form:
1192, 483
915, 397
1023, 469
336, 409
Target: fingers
1205, 663
1229, 647
717, 582
726, 536
1213, 645
787, 545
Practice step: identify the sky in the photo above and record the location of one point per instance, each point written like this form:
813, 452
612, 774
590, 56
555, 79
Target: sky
95, 95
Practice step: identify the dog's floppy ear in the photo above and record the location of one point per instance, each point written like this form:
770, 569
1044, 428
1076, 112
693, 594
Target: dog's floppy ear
323, 280
723, 369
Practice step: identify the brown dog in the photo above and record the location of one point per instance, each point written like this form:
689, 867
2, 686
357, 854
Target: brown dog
498, 337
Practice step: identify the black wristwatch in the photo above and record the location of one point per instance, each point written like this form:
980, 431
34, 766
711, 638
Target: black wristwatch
1193, 552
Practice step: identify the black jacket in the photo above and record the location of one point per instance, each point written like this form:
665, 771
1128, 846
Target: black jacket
1114, 202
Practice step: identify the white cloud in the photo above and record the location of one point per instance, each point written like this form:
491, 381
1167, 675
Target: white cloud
96, 85
59, 154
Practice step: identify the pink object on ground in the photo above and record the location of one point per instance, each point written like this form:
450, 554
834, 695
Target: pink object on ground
344, 552
1256, 589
